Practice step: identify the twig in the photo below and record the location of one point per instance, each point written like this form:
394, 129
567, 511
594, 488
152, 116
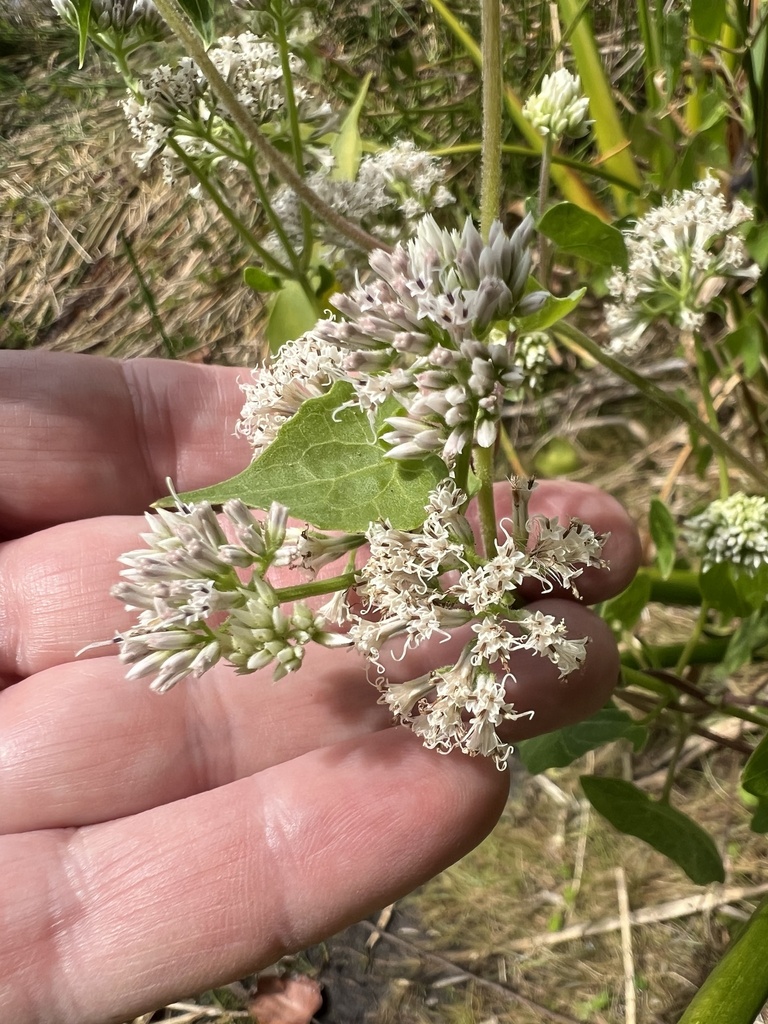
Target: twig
630, 996
646, 915
459, 973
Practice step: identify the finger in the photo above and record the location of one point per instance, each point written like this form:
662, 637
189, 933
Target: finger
107, 923
84, 436
54, 586
79, 744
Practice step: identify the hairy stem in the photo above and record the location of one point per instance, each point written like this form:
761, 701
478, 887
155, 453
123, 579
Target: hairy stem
490, 184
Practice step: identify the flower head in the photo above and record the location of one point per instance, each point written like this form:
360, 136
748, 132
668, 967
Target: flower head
674, 251
732, 530
559, 108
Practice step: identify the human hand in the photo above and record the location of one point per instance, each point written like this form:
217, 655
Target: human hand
152, 846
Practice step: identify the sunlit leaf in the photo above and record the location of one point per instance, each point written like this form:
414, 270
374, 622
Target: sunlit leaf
623, 611
260, 281
347, 147
707, 16
554, 309
327, 468
582, 234
292, 313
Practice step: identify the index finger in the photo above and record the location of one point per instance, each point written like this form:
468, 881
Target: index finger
85, 436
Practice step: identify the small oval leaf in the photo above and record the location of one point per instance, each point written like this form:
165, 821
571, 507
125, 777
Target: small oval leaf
667, 830
582, 234
664, 536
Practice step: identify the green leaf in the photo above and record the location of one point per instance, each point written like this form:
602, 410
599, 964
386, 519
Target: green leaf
624, 610
291, 314
719, 591
667, 830
664, 535
83, 19
759, 822
747, 343
554, 309
260, 281
327, 468
347, 147
201, 14
707, 16
754, 778
750, 636
582, 234
562, 747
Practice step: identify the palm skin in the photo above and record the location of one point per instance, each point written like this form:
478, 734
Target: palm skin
155, 846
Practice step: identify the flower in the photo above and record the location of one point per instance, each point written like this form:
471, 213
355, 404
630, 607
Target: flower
418, 331
732, 530
400, 179
674, 251
559, 108
194, 607
122, 24
408, 593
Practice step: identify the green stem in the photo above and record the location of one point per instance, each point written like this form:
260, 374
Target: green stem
738, 986
545, 251
683, 731
483, 461
316, 588
179, 23
571, 336
146, 294
693, 639
709, 408
226, 211
293, 118
490, 184
277, 225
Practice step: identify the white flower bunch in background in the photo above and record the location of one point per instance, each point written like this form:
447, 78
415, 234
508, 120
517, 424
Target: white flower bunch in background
177, 100
680, 255
732, 530
559, 109
400, 180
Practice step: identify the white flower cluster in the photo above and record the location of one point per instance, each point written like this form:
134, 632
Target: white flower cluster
559, 108
733, 529
197, 609
417, 330
674, 250
178, 99
408, 595
400, 179
123, 24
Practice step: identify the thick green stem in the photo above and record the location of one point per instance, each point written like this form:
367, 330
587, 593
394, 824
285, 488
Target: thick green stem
483, 461
181, 26
738, 986
572, 337
490, 186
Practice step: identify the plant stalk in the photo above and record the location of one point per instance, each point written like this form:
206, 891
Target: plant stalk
181, 26
490, 183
